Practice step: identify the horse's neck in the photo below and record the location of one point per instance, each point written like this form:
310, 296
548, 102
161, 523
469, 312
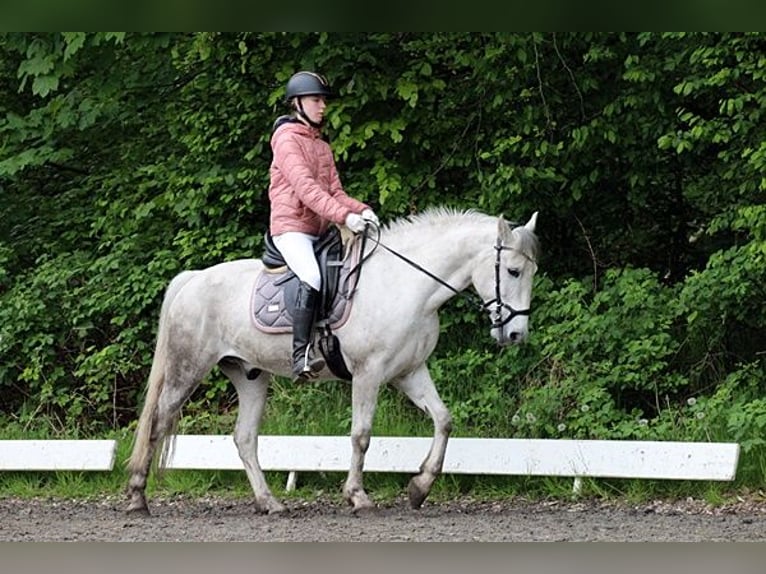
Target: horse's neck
450, 252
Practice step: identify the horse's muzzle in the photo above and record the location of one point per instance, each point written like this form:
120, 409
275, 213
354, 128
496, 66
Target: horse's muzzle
510, 338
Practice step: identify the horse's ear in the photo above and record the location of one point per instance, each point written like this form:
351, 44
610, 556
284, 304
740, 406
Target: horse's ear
503, 229
530, 225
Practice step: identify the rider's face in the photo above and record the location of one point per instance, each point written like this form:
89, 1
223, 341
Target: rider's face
314, 107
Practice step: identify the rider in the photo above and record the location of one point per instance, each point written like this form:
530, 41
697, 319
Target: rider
306, 196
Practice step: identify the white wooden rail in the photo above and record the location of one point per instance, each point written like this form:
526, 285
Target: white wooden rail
57, 454
521, 457
525, 457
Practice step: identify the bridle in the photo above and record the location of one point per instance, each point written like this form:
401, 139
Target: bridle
496, 314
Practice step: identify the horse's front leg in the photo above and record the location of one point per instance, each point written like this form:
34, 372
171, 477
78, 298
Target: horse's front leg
252, 396
364, 399
420, 389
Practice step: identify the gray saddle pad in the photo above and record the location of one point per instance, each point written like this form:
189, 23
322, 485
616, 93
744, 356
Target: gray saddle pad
273, 288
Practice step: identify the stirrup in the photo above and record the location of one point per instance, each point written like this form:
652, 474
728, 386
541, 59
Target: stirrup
311, 368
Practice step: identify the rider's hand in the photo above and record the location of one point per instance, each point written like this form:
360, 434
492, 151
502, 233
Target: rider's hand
369, 215
355, 222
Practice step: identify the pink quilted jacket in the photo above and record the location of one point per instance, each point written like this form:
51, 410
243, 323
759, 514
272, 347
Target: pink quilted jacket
305, 192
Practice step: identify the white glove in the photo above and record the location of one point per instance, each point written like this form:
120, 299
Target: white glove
369, 215
355, 222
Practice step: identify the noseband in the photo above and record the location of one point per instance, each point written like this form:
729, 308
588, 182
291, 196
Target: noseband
496, 314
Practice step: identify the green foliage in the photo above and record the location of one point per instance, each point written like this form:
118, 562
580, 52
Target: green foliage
478, 410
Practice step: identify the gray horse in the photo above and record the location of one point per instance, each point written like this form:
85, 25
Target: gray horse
391, 331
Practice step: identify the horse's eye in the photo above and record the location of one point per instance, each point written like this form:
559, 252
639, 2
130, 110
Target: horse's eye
515, 273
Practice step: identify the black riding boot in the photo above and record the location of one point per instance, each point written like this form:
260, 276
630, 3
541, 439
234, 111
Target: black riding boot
305, 366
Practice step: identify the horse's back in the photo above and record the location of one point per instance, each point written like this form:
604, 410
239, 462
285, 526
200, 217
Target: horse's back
219, 270
221, 282
234, 266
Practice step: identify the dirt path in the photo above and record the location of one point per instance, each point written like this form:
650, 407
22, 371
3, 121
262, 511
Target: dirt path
327, 521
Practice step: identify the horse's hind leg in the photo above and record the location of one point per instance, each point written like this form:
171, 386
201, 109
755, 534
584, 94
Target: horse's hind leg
419, 387
252, 394
174, 393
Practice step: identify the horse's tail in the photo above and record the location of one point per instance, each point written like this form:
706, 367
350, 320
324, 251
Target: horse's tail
138, 461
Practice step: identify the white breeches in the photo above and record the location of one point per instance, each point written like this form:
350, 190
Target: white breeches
298, 250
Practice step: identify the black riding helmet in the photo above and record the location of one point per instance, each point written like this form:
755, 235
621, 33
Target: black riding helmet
307, 84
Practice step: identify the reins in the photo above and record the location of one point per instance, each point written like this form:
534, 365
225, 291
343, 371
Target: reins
497, 320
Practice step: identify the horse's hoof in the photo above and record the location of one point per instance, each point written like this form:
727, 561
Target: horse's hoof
270, 506
138, 510
416, 495
363, 508
137, 504
361, 503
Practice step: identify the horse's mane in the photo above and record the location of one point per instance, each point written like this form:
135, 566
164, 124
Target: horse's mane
400, 229
446, 215
432, 216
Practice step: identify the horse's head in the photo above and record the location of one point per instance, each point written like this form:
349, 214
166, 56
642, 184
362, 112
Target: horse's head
506, 288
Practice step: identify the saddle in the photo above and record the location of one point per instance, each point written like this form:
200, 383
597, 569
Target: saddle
275, 289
